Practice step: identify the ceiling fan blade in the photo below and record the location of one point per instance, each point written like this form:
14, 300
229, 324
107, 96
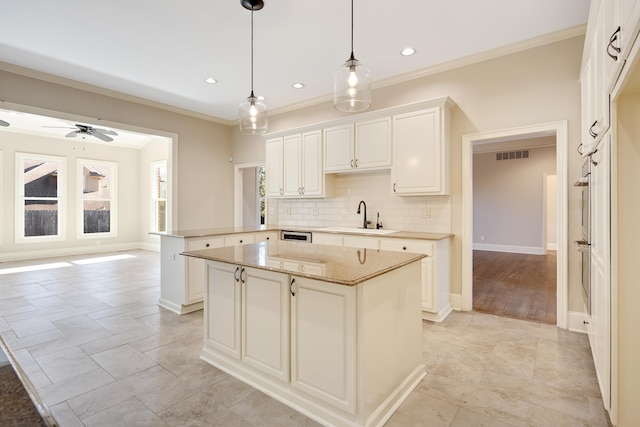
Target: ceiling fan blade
59, 127
3, 123
72, 134
106, 131
102, 136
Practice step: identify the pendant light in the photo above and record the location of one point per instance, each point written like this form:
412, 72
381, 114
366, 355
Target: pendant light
351, 91
253, 112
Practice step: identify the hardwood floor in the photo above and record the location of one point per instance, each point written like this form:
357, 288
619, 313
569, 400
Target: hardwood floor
515, 285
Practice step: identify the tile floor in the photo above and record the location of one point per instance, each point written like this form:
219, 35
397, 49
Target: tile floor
100, 352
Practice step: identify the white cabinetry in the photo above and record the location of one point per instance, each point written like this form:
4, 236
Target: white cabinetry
436, 299
182, 279
302, 158
365, 145
247, 316
600, 319
421, 151
274, 170
323, 362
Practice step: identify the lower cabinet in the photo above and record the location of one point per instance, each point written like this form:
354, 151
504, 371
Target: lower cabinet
247, 316
323, 353
182, 279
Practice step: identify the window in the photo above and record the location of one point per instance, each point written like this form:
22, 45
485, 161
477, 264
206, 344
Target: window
97, 187
159, 195
39, 208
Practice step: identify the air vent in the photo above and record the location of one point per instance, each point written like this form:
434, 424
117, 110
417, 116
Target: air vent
510, 155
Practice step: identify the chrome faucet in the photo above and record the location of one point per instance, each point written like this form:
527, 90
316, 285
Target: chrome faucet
365, 223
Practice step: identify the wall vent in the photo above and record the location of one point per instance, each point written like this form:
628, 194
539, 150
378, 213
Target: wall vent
510, 155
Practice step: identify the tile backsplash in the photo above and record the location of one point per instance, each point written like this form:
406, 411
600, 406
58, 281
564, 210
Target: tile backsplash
408, 213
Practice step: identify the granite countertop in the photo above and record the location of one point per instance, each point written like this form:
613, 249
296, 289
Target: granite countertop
219, 231
334, 264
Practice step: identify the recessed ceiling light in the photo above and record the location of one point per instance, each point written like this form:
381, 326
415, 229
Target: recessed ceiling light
298, 85
211, 80
408, 51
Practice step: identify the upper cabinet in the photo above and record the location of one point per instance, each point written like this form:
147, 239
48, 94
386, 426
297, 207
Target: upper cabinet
613, 26
302, 157
422, 151
365, 145
274, 172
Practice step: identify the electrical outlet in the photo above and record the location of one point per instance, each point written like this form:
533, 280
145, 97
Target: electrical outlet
287, 211
315, 212
482, 237
425, 212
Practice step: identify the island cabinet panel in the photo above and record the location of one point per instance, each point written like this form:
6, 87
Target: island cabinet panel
223, 308
323, 339
265, 321
196, 267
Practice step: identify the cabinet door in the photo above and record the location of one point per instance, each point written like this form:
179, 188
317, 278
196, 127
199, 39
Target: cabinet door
338, 148
196, 270
628, 15
420, 161
373, 144
265, 321
428, 288
312, 173
273, 163
222, 308
292, 166
323, 339
239, 239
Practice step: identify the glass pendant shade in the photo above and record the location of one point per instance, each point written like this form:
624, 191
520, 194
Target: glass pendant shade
352, 87
253, 116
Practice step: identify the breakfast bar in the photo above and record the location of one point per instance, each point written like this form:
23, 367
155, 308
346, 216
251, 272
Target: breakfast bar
333, 332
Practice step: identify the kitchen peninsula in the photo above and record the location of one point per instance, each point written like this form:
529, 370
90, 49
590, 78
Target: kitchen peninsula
333, 332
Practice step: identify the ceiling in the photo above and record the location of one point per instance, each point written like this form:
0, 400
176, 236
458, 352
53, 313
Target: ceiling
163, 51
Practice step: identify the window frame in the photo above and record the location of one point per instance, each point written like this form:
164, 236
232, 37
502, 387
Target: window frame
20, 198
113, 200
154, 200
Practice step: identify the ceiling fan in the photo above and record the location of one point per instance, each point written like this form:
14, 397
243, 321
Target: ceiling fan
86, 130
3, 123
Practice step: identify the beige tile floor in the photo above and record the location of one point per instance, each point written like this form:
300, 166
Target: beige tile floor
100, 352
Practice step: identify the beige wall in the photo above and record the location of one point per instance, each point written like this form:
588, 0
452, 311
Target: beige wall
508, 201
533, 86
200, 150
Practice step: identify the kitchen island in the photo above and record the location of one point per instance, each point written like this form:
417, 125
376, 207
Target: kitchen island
335, 333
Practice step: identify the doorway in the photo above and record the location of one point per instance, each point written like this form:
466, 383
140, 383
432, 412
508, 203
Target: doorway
250, 197
555, 129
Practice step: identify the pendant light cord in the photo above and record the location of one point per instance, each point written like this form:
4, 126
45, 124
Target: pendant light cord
252, 52
352, 57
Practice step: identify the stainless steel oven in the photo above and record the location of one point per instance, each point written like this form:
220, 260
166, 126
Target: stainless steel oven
298, 236
584, 244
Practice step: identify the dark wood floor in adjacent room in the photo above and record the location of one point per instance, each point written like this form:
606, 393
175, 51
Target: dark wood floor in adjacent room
515, 285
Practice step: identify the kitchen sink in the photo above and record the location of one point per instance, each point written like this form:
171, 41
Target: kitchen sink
355, 230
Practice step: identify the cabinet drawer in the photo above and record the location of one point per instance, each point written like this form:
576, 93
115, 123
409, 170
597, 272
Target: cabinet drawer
204, 243
361, 242
326, 239
266, 236
239, 239
414, 246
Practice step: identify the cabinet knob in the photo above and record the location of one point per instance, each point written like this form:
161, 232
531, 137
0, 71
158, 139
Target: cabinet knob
240, 241
404, 248
268, 238
207, 245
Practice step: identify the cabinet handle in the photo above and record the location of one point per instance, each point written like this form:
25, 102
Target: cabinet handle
580, 148
610, 46
591, 131
351, 162
235, 275
593, 162
281, 191
243, 275
584, 322
356, 162
293, 294
394, 187
302, 191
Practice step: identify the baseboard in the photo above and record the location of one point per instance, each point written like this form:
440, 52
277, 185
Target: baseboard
78, 250
575, 321
531, 250
456, 301
552, 246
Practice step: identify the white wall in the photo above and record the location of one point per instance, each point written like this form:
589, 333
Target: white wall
509, 201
